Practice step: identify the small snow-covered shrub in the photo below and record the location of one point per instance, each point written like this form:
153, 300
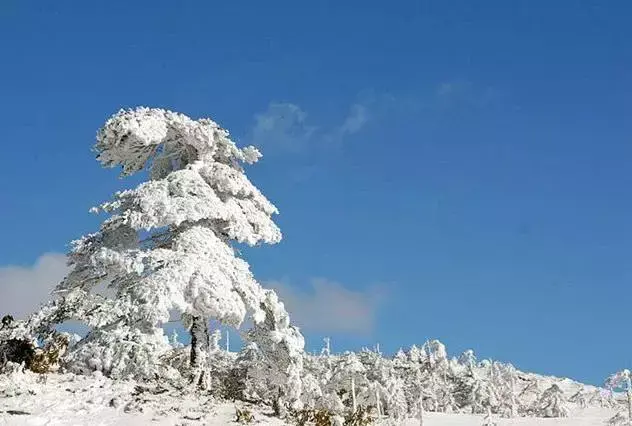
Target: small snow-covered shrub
18, 345
361, 417
233, 385
7, 320
552, 403
244, 416
579, 398
619, 419
124, 352
47, 360
601, 398
310, 416
18, 351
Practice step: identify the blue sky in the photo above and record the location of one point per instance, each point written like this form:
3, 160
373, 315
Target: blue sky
445, 169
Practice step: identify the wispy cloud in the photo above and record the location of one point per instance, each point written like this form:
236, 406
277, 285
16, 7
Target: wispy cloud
329, 307
24, 288
286, 127
355, 121
282, 126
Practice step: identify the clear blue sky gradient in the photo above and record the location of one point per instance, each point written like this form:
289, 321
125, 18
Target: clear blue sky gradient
489, 191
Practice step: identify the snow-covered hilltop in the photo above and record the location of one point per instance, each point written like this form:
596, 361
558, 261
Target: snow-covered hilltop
165, 251
411, 387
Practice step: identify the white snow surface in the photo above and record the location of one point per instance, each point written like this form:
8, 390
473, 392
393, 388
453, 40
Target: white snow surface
68, 399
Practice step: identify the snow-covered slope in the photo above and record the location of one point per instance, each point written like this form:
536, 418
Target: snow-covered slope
587, 417
66, 399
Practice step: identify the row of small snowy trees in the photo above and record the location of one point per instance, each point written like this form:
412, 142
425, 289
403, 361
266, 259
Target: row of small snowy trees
421, 379
424, 379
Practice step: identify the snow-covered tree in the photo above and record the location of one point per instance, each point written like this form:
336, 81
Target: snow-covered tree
415, 354
250, 374
622, 381
396, 404
431, 392
468, 359
378, 372
282, 346
579, 398
511, 389
167, 247
529, 394
174, 340
619, 419
436, 352
475, 393
602, 398
414, 379
420, 412
214, 341
445, 401
400, 359
489, 419
326, 350
552, 403
503, 378
349, 380
312, 395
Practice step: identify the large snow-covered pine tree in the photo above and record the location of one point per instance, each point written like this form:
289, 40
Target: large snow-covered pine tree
166, 248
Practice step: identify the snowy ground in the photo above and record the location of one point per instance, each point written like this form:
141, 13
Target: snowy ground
78, 400
64, 399
588, 417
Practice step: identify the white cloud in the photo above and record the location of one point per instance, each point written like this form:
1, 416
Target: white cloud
326, 306
24, 288
329, 307
355, 121
284, 126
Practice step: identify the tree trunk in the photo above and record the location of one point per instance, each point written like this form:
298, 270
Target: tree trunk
629, 406
200, 341
200, 344
628, 389
278, 404
353, 395
488, 418
513, 396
